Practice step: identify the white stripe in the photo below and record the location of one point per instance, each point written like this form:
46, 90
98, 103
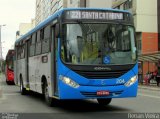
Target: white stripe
151, 96
11, 94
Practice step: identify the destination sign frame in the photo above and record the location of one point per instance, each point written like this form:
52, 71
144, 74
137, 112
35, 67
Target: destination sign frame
93, 15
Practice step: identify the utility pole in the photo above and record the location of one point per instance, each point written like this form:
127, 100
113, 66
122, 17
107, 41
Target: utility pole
1, 57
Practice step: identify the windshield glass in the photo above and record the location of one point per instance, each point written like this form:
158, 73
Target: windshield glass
93, 44
9, 63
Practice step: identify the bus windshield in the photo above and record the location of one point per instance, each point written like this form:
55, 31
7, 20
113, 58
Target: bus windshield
9, 63
98, 44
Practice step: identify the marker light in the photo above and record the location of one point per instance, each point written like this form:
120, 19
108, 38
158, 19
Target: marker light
69, 82
131, 81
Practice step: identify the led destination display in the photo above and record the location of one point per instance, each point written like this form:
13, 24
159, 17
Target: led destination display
98, 15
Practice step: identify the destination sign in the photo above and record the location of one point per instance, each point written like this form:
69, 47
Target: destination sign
98, 15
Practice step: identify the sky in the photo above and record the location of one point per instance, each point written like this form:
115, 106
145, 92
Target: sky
12, 13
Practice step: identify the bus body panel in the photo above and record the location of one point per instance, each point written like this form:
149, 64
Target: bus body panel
32, 68
9, 75
94, 85
38, 69
97, 82
9, 67
20, 70
89, 92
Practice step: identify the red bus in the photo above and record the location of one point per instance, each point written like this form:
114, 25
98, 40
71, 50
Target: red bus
9, 69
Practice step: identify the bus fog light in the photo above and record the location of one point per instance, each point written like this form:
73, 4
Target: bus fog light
69, 82
131, 81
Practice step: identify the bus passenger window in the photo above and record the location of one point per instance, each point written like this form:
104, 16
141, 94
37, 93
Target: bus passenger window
32, 45
23, 52
38, 44
46, 40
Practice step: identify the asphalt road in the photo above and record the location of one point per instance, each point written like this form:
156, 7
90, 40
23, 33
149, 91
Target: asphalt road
12, 101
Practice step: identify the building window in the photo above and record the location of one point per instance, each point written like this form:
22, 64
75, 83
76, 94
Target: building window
83, 3
139, 46
128, 5
71, 1
118, 7
121, 6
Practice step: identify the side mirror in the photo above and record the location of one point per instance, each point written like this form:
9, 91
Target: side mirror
57, 30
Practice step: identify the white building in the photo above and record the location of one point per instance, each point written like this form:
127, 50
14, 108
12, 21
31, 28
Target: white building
45, 8
90, 3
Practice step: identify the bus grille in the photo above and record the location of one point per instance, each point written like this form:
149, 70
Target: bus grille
94, 94
101, 74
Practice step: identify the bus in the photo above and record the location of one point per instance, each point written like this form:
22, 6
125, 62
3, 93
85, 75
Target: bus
79, 53
9, 67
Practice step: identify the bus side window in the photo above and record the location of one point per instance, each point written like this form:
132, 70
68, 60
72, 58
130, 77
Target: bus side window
18, 52
46, 40
38, 44
22, 51
32, 45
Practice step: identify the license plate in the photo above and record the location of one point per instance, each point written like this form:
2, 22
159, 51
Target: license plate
102, 93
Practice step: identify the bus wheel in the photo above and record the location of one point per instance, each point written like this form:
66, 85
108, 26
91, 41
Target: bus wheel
7, 82
48, 99
22, 89
104, 102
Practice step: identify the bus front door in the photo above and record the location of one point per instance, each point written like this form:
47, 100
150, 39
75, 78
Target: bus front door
54, 50
26, 64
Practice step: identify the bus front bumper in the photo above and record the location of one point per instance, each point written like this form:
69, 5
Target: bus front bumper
90, 92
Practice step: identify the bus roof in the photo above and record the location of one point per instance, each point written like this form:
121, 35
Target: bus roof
58, 13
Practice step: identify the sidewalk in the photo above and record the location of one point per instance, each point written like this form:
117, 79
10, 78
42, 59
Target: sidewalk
149, 87
0, 85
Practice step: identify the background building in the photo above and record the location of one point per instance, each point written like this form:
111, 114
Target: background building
24, 28
146, 22
45, 8
90, 3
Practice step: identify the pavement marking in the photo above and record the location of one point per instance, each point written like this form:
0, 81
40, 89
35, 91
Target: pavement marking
11, 94
151, 96
149, 88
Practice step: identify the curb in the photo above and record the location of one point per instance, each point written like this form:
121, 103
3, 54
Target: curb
0, 93
149, 88
1, 85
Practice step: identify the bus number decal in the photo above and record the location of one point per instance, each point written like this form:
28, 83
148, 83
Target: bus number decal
120, 81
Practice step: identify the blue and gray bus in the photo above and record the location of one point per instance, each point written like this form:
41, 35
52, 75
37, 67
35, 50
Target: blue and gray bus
79, 53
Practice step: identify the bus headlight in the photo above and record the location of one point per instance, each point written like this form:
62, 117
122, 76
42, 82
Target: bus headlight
131, 81
69, 81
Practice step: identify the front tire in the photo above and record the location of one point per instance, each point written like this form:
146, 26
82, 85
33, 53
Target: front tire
104, 102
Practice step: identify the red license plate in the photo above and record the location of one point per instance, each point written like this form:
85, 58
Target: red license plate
102, 93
